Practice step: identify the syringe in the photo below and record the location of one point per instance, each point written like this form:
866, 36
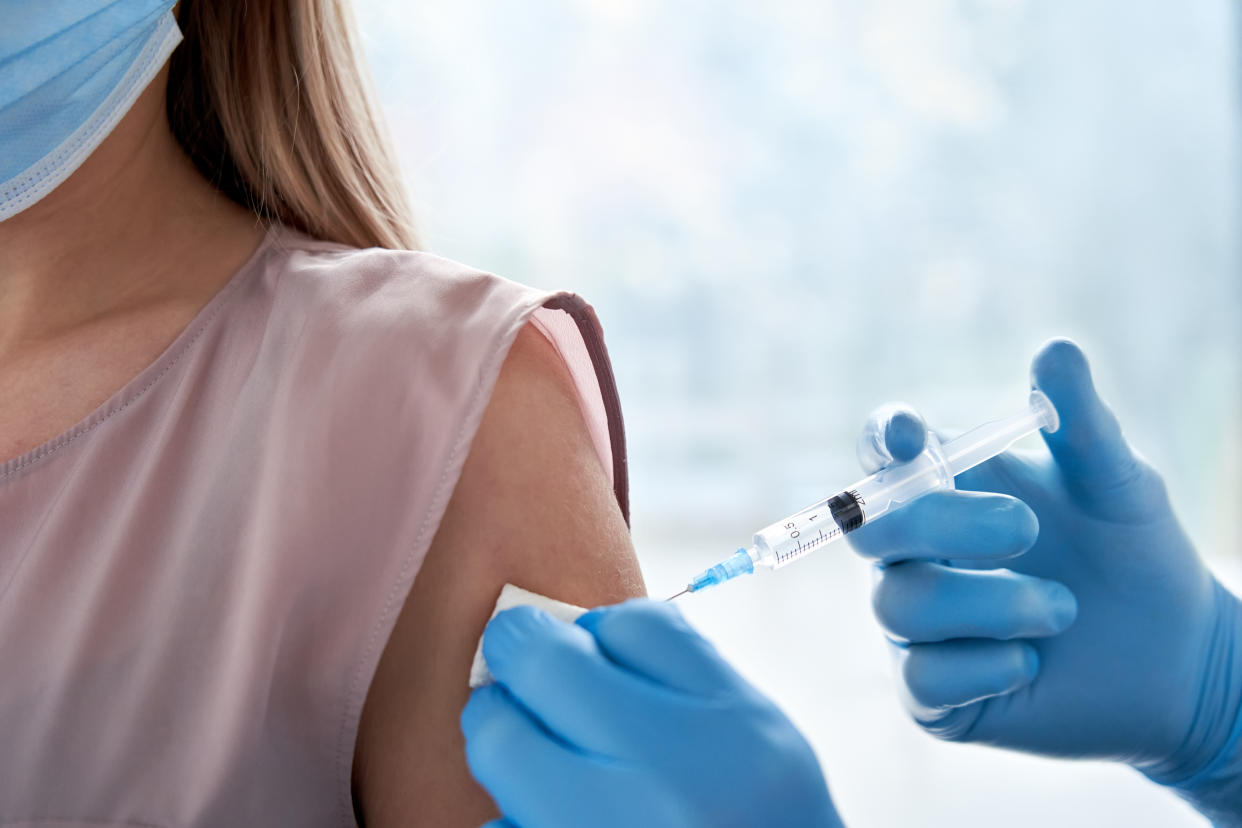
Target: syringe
825, 521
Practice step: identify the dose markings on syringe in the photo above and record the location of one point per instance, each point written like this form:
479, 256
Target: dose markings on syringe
803, 547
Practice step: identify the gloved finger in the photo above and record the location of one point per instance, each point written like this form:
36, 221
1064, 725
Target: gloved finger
1088, 446
950, 524
956, 673
500, 823
920, 602
652, 638
893, 433
533, 777
557, 671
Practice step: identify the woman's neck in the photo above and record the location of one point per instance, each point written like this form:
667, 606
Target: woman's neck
135, 225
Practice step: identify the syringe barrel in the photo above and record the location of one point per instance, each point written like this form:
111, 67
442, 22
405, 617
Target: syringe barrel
831, 519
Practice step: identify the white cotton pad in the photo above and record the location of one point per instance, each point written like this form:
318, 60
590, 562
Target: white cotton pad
511, 596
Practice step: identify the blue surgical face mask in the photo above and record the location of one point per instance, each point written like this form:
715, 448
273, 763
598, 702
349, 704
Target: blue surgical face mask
69, 69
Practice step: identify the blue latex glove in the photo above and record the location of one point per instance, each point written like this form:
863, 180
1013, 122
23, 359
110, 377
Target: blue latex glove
630, 718
1057, 607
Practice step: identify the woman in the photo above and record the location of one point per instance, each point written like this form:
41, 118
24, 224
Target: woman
263, 470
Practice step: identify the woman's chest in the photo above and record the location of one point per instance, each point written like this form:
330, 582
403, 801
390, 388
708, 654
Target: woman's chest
48, 388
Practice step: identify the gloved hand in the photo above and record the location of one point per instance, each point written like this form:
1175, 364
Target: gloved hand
1053, 604
630, 718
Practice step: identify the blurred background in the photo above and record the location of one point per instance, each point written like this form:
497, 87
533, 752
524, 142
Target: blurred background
787, 213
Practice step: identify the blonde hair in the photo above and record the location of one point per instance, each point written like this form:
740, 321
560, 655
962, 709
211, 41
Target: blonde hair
273, 105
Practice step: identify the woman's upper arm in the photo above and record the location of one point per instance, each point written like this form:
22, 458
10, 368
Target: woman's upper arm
533, 507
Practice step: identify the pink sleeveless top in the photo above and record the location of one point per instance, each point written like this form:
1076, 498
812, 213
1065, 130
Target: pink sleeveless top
198, 579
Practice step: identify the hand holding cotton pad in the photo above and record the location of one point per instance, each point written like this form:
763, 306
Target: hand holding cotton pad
512, 596
627, 716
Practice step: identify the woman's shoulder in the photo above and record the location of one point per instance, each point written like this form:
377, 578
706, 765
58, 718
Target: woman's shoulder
349, 320
416, 290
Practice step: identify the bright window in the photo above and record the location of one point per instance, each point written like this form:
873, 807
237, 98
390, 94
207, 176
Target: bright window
786, 213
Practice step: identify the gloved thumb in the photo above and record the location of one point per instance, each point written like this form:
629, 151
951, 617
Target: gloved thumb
894, 432
1089, 447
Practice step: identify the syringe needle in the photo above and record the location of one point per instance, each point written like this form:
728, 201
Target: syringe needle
678, 595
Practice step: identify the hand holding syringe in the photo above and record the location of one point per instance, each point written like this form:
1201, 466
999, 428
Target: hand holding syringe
825, 521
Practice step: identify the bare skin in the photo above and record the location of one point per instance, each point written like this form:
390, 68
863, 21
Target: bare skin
100, 276
552, 526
